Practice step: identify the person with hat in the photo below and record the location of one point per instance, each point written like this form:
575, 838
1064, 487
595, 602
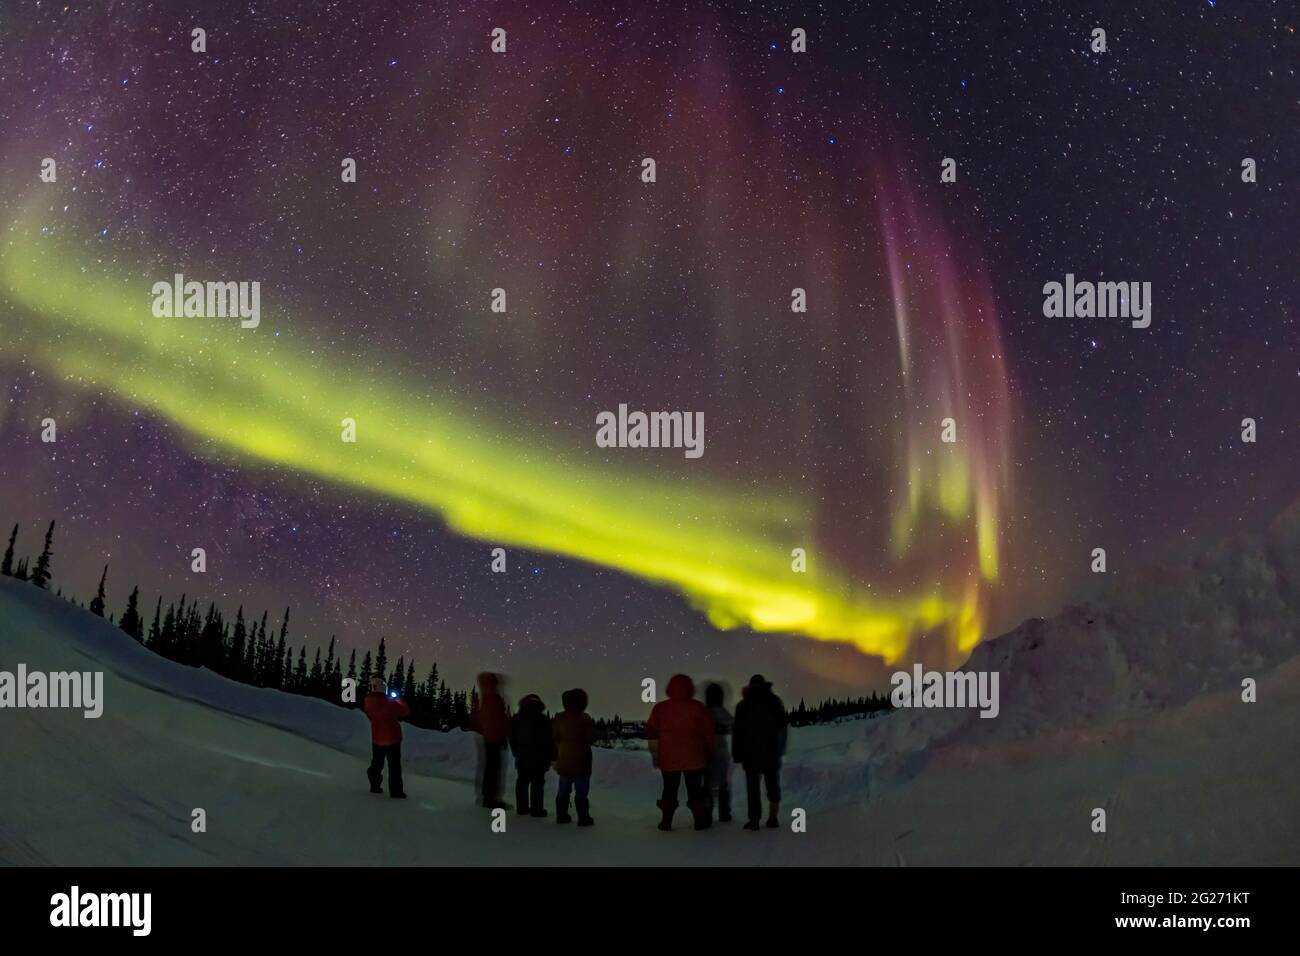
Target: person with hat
386, 714
680, 732
534, 748
758, 743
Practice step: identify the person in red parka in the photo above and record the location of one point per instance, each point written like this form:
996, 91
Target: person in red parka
493, 723
386, 714
680, 731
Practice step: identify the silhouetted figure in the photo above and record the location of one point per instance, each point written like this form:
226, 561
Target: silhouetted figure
493, 724
757, 743
534, 749
574, 733
386, 714
719, 777
680, 732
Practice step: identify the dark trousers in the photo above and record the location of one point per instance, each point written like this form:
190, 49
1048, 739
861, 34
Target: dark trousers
393, 754
492, 771
695, 791
753, 778
529, 790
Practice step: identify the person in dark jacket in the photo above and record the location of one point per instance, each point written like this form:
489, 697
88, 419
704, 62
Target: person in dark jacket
758, 743
680, 731
534, 749
385, 714
575, 733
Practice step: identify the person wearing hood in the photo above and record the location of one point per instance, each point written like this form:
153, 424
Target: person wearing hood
575, 733
758, 743
534, 749
385, 714
680, 731
492, 723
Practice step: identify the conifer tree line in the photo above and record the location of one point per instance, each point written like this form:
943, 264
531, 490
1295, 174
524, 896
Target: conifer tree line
833, 709
256, 651
246, 651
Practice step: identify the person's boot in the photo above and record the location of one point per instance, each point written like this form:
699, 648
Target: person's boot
702, 810
521, 797
584, 813
535, 808
724, 805
562, 810
772, 821
668, 809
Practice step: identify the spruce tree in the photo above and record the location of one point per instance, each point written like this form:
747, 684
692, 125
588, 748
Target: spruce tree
131, 622
7, 566
316, 679
237, 645
167, 639
155, 629
328, 687
364, 685
41, 576
262, 665
381, 661
300, 672
279, 673
395, 678
249, 673
97, 605
408, 685
21, 573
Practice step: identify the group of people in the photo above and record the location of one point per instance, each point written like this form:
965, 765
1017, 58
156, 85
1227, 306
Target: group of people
691, 741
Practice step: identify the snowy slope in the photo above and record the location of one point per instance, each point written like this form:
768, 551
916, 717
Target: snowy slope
1162, 636
281, 777
1186, 772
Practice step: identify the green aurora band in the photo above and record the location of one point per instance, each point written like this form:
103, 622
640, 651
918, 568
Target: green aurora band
256, 398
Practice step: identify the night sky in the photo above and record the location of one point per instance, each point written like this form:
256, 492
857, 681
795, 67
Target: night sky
522, 170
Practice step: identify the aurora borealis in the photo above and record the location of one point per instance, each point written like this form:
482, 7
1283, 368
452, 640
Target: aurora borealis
475, 429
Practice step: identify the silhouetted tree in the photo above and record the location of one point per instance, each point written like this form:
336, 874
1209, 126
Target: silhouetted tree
316, 679
155, 629
364, 687
381, 660
97, 605
7, 566
131, 622
41, 575
237, 639
278, 671
300, 672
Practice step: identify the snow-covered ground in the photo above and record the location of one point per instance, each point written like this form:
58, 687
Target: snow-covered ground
281, 778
